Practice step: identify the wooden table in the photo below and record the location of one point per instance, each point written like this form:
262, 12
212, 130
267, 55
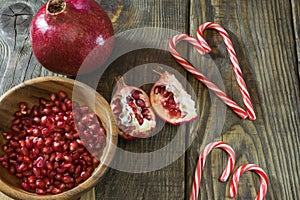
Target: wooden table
266, 38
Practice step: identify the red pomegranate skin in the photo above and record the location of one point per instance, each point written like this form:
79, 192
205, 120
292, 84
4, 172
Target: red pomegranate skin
61, 41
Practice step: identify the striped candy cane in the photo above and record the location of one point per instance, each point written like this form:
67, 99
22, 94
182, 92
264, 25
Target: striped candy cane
239, 172
234, 61
200, 165
202, 47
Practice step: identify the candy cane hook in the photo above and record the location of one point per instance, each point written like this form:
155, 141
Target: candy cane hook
201, 162
249, 167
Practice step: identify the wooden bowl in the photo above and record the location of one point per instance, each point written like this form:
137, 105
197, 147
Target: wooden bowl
30, 92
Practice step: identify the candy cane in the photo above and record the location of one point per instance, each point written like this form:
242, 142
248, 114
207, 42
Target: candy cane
235, 63
203, 47
201, 162
239, 172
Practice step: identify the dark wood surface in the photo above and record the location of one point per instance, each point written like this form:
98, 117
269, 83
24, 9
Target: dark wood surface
265, 35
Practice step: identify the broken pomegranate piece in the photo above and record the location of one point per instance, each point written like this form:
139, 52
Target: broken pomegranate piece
170, 101
132, 111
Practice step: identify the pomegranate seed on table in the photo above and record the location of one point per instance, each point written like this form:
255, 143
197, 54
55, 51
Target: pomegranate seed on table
44, 147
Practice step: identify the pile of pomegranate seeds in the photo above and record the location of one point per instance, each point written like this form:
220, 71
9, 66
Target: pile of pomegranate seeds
54, 146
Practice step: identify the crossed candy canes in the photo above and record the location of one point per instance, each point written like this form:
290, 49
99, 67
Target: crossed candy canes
202, 47
228, 170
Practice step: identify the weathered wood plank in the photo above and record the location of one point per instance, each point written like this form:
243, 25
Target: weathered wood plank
261, 34
296, 26
168, 182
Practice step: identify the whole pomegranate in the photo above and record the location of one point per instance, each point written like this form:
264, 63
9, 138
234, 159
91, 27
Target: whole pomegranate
70, 34
170, 101
132, 111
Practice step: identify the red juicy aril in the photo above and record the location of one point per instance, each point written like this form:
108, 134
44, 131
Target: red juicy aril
46, 145
69, 34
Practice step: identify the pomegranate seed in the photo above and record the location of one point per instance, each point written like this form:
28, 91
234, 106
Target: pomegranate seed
59, 156
62, 186
26, 159
46, 131
84, 175
55, 191
56, 146
87, 159
61, 170
44, 147
5, 164
56, 165
139, 119
79, 141
32, 186
31, 179
71, 169
65, 146
70, 185
19, 175
49, 165
39, 162
43, 101
136, 94
96, 162
148, 117
52, 174
67, 158
78, 170
47, 150
63, 106
15, 128
69, 136
140, 103
16, 121
67, 179
40, 184
53, 97
40, 191
75, 156
47, 181
90, 169
57, 137
35, 152
22, 167
27, 173
25, 186
36, 171
18, 114
78, 180
23, 106
48, 141
62, 94
60, 124
73, 146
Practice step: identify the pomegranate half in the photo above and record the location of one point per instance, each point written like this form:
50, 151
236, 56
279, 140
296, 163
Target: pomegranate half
170, 101
69, 34
132, 111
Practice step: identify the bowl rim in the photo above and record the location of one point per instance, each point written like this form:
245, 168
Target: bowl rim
111, 144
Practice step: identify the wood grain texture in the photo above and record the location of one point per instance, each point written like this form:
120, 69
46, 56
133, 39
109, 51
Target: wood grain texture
296, 26
265, 35
168, 182
261, 34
